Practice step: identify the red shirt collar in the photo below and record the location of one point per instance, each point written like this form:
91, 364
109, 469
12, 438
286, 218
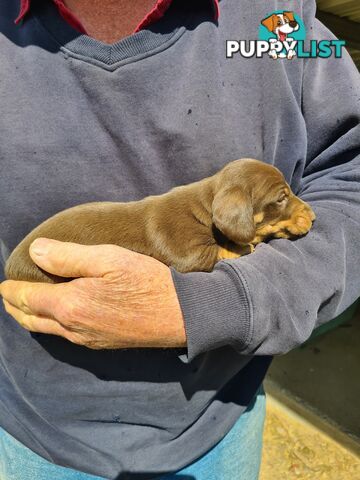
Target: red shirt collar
155, 14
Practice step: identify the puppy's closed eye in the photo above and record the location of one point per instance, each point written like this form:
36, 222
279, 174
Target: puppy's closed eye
274, 205
282, 199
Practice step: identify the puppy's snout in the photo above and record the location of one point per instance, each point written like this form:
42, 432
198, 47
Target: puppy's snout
308, 211
293, 24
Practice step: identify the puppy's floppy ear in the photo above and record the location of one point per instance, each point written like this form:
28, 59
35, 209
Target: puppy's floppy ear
233, 215
269, 22
289, 15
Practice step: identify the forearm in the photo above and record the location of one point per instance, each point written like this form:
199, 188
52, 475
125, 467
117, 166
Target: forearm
270, 301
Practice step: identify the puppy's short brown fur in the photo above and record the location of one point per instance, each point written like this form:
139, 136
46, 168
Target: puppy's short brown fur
190, 227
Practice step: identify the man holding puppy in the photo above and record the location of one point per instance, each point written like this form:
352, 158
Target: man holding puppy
115, 101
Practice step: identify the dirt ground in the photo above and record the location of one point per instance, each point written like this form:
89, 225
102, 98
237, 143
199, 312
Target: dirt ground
295, 450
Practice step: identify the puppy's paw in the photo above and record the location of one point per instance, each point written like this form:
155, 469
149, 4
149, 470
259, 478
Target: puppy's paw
224, 254
234, 251
273, 54
282, 234
301, 221
301, 226
291, 54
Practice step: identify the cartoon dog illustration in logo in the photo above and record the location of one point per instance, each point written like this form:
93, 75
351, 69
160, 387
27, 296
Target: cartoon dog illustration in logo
281, 24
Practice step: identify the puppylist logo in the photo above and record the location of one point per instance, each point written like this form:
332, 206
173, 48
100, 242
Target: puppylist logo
282, 35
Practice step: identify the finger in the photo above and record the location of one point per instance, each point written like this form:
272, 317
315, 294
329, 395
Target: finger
34, 323
73, 260
33, 298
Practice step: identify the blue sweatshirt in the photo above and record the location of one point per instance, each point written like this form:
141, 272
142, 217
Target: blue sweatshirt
85, 121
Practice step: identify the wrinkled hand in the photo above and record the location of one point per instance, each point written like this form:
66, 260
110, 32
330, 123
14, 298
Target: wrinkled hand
122, 300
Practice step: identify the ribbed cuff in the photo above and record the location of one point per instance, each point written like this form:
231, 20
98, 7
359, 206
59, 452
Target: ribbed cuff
216, 309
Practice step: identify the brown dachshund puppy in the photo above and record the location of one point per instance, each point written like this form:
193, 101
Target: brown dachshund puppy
190, 228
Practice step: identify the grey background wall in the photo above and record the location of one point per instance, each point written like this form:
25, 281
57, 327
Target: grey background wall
343, 18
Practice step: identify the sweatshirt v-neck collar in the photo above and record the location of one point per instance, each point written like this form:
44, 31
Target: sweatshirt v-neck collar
139, 45
152, 16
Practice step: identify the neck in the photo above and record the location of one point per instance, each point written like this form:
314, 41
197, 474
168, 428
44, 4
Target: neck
110, 20
203, 193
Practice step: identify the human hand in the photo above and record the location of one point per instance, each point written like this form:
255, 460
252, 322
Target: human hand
122, 299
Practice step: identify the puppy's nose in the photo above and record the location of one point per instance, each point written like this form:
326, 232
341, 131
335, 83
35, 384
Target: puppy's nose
293, 23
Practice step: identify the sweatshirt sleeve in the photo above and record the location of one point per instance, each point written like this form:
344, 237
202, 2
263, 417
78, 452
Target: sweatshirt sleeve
270, 301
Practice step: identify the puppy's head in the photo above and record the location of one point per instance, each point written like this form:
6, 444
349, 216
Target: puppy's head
281, 24
252, 201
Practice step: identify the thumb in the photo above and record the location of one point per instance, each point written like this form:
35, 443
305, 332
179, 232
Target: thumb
67, 259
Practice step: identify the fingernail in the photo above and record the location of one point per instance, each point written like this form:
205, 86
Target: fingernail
40, 246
